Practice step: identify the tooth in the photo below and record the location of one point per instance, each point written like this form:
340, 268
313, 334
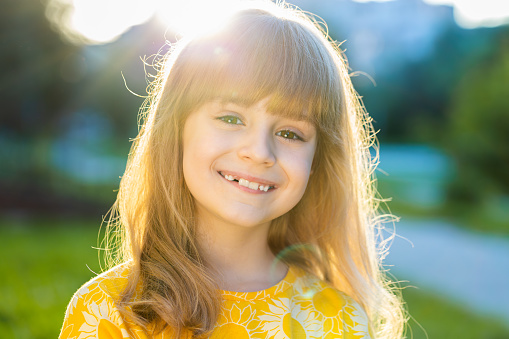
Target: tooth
230, 178
243, 182
253, 185
261, 187
266, 188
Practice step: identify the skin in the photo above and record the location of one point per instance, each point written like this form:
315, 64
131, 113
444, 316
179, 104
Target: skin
220, 140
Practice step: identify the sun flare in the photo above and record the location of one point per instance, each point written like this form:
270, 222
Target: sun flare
111, 18
195, 16
104, 21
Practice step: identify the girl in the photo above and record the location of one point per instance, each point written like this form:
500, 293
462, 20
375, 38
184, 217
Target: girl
246, 209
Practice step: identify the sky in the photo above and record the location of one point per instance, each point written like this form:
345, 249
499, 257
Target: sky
103, 21
477, 13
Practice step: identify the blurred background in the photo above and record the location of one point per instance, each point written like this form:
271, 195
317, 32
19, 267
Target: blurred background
434, 75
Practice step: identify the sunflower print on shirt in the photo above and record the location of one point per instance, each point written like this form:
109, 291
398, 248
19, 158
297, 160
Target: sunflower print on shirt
298, 307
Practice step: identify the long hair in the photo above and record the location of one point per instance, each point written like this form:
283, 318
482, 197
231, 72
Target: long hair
266, 51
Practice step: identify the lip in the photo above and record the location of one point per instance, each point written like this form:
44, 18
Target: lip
250, 178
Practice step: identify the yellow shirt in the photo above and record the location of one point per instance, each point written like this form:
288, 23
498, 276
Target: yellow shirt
299, 306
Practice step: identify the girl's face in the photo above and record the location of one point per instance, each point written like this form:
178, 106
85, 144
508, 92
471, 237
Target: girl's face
243, 165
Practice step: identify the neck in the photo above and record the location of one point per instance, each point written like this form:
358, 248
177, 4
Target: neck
240, 256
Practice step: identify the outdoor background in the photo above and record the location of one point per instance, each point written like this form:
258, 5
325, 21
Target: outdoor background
434, 77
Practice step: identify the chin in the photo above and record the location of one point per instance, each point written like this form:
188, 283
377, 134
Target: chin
247, 222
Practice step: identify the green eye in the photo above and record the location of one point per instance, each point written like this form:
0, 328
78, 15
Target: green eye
231, 119
288, 135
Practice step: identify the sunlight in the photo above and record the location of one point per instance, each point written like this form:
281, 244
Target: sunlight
110, 18
103, 21
194, 16
472, 13
97, 21
475, 13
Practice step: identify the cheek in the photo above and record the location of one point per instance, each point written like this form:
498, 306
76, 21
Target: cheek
202, 147
187, 168
203, 150
307, 166
190, 150
299, 168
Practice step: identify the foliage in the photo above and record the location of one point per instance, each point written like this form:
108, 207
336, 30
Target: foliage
31, 56
478, 135
411, 104
47, 85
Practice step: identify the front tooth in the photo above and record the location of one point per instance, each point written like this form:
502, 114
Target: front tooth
243, 182
253, 185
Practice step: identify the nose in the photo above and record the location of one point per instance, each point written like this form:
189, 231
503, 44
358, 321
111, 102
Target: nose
257, 146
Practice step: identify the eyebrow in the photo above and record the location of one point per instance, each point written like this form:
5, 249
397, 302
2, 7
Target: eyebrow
301, 117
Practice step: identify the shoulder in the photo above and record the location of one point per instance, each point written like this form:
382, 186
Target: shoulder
108, 285
111, 282
337, 311
92, 309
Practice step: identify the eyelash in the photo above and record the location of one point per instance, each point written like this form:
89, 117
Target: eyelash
228, 119
286, 132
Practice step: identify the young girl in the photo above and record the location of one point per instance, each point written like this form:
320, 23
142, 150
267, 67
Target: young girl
246, 209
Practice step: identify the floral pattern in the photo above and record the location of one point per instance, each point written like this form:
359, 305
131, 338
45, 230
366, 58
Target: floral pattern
300, 306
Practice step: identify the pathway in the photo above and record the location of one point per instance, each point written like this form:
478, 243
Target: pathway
467, 267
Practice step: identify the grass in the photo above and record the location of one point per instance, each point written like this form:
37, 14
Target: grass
475, 219
45, 262
489, 217
434, 317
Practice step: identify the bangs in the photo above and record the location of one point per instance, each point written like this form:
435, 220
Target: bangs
258, 55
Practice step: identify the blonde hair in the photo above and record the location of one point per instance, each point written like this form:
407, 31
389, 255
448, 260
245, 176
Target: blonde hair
265, 51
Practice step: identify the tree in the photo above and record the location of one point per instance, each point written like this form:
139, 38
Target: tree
478, 136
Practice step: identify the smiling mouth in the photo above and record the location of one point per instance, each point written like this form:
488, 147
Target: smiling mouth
246, 183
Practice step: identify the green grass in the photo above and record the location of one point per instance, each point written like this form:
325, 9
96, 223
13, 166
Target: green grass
489, 217
44, 262
475, 219
434, 317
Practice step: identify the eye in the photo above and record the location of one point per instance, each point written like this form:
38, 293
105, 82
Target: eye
231, 119
290, 135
